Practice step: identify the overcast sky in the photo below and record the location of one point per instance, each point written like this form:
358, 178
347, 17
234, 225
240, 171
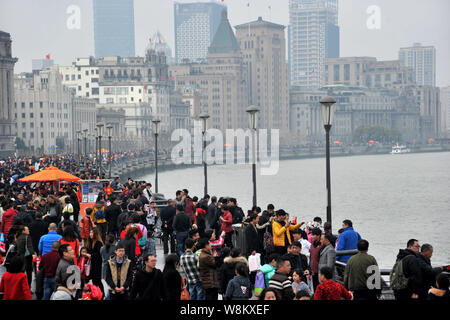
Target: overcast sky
39, 27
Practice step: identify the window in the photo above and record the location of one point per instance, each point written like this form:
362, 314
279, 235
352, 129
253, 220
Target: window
336, 72
41, 105
23, 105
42, 115
79, 76
73, 77
346, 72
67, 77
23, 115
31, 115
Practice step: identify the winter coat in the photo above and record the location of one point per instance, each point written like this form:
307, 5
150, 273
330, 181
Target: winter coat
23, 242
328, 259
280, 231
112, 213
7, 221
227, 225
208, 272
181, 222
252, 240
227, 271
298, 262
211, 214
189, 208
148, 286
96, 261
15, 286
130, 248
171, 284
167, 215
239, 288
348, 240
428, 275
46, 242
355, 274
268, 270
412, 271
38, 228
281, 283
126, 274
62, 275
314, 257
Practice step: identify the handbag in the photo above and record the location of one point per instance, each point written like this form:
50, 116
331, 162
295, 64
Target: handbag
27, 252
184, 292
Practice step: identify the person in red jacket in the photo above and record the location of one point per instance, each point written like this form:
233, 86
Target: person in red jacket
7, 219
226, 219
329, 289
14, 283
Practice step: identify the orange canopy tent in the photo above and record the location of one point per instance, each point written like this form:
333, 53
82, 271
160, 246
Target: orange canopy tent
50, 174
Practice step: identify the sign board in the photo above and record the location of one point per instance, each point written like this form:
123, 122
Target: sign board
90, 191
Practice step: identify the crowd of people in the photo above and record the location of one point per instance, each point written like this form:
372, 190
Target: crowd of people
71, 255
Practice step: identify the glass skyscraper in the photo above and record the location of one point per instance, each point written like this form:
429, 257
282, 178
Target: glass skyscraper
114, 28
313, 37
195, 27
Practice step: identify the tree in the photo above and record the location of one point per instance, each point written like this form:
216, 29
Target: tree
364, 134
20, 144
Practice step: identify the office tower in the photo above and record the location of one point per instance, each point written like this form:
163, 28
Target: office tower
114, 28
423, 62
195, 26
313, 37
263, 46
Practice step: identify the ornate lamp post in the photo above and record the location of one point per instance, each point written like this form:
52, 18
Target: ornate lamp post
252, 112
78, 143
156, 123
109, 128
328, 109
85, 134
204, 117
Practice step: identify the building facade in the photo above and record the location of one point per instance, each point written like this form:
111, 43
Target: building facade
313, 37
445, 105
423, 61
221, 81
195, 27
114, 28
82, 77
43, 110
367, 72
40, 64
7, 120
263, 47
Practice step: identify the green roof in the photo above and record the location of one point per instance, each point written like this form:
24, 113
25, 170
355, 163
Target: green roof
260, 23
224, 40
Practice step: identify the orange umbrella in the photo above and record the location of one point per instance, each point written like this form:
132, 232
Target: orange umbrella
371, 141
337, 142
103, 150
50, 174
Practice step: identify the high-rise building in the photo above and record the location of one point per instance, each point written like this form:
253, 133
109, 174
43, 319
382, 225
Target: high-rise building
263, 46
114, 28
313, 37
7, 123
195, 26
423, 61
445, 104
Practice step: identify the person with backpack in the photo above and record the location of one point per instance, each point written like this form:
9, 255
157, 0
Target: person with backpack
406, 275
99, 218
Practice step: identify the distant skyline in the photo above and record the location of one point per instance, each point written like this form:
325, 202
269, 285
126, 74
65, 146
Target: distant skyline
40, 27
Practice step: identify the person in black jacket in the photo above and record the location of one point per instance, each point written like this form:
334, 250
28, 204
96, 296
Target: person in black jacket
94, 243
251, 236
227, 269
181, 225
296, 258
38, 228
171, 279
167, 216
429, 273
112, 213
411, 270
148, 282
236, 212
211, 213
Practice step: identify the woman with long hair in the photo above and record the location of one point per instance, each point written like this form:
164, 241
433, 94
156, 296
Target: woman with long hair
129, 243
94, 244
25, 249
69, 237
107, 251
171, 278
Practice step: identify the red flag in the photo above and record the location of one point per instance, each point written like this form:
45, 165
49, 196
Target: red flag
47, 56
150, 39
173, 78
160, 41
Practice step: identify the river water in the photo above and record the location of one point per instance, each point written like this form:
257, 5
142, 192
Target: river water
389, 198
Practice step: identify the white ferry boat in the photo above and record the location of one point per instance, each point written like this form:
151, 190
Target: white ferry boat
397, 149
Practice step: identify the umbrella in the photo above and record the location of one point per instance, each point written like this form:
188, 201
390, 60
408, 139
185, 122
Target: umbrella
50, 174
371, 141
337, 142
103, 150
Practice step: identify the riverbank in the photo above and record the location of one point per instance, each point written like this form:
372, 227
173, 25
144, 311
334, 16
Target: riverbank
145, 166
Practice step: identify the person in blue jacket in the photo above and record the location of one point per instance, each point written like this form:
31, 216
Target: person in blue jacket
348, 240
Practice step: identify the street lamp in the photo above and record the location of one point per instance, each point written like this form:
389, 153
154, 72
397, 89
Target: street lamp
253, 124
109, 127
156, 132
78, 142
328, 109
204, 117
99, 132
85, 133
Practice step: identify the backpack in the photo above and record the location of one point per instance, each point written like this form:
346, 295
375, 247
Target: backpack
268, 240
142, 241
259, 283
398, 280
100, 214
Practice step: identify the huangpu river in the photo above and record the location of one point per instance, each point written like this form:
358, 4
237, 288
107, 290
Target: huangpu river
389, 198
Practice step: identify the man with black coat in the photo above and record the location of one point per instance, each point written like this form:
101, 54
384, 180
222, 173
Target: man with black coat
112, 213
181, 225
297, 259
236, 212
148, 282
411, 270
167, 215
38, 228
428, 272
211, 213
74, 202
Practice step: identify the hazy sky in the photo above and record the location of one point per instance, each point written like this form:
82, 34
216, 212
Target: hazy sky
39, 27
